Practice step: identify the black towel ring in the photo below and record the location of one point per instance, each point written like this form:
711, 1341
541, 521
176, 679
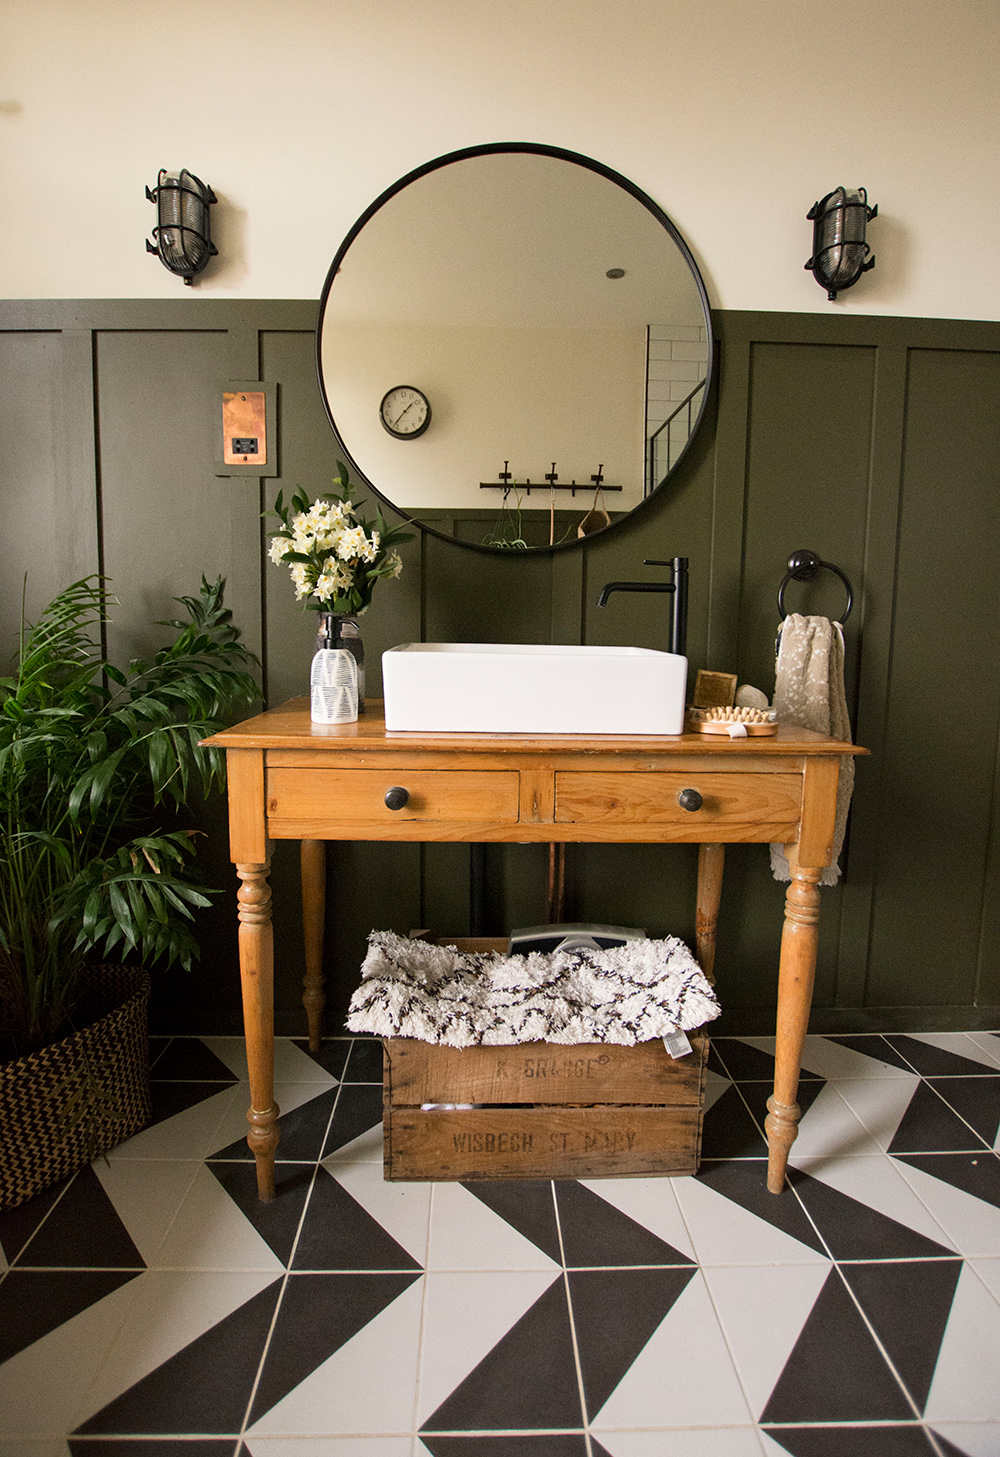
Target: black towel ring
802, 567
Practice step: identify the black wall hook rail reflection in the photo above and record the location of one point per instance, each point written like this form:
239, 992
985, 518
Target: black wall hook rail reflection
802, 567
526, 487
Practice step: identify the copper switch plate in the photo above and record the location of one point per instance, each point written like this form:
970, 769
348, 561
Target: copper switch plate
244, 428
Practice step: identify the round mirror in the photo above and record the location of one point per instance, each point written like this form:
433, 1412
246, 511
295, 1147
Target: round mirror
514, 347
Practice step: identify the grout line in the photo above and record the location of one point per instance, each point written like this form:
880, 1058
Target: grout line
585, 1420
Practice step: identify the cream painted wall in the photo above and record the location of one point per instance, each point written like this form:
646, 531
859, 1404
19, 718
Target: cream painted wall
734, 115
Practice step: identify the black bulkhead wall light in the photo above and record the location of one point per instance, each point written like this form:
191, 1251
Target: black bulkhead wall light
183, 233
840, 253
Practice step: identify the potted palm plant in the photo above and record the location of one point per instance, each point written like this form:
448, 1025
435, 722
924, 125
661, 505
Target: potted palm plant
95, 763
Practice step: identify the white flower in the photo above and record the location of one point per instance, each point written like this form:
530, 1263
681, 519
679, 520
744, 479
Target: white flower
353, 543
394, 563
279, 546
333, 581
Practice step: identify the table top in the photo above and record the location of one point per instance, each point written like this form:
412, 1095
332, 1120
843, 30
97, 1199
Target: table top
290, 727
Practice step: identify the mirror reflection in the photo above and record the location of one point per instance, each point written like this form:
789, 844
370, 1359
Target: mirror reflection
516, 340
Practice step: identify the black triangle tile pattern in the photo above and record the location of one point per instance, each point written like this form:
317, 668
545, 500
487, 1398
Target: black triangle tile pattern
976, 1100
872, 1044
276, 1220
527, 1205
948, 1449
318, 1315
359, 1108
302, 1131
170, 1098
153, 1447
855, 1231
908, 1304
35, 1302
855, 1441
931, 1061
594, 1232
616, 1312
180, 1395
836, 1372
331, 1055
85, 1205
745, 1183
18, 1225
338, 1234
972, 1173
187, 1059
527, 1380
729, 1131
547, 1444
930, 1124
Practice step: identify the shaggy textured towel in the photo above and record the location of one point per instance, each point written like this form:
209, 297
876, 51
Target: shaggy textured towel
625, 994
809, 692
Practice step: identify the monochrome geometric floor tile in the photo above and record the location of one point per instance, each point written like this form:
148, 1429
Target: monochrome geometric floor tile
151, 1306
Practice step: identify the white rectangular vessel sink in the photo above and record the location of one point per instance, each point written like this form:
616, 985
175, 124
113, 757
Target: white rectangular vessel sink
517, 688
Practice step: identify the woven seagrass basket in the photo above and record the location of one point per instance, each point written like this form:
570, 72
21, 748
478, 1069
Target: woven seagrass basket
73, 1100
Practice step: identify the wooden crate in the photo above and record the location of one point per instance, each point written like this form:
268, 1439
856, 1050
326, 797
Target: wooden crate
550, 1111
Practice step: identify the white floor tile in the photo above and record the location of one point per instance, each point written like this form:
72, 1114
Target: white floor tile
830, 1126
291, 1063
353, 1446
691, 1442
724, 1233
368, 1386
210, 1232
190, 1134
464, 1318
651, 1203
147, 1193
972, 1225
170, 1309
27, 1448
467, 1235
684, 1371
980, 1439
987, 1047
961, 1043
367, 1148
989, 1272
43, 1386
878, 1183
879, 1103
402, 1209
966, 1385
762, 1313
233, 1126
715, 1086
831, 1060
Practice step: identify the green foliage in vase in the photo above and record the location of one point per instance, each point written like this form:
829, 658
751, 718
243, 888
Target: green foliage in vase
335, 555
95, 761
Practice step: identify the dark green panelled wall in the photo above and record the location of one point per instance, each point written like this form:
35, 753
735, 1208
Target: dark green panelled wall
873, 441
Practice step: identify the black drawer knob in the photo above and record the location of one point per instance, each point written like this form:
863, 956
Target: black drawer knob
396, 797
690, 799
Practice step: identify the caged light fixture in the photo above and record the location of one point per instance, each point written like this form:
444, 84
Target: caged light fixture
183, 232
840, 253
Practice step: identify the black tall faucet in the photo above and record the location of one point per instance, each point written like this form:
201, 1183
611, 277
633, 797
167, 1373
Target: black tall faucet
677, 587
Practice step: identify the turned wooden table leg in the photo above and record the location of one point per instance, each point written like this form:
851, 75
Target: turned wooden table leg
796, 972
257, 972
711, 859
312, 857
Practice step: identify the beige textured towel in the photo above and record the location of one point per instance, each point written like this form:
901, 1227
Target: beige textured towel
809, 692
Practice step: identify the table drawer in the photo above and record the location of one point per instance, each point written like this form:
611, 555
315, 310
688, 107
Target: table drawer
736, 806
359, 795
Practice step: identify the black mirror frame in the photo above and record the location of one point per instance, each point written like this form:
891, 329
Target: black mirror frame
536, 149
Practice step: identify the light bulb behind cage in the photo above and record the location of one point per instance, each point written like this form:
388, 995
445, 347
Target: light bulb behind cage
182, 235
840, 253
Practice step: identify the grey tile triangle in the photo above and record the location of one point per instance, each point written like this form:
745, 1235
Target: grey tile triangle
835, 1372
873, 1044
615, 1312
932, 1061
205, 1387
541, 1444
948, 1449
977, 1100
744, 1181
594, 1232
527, 1380
318, 1315
18, 1225
527, 1205
929, 1125
301, 1131
358, 1108
908, 1303
855, 1231
855, 1441
33, 1303
188, 1059
275, 1220
339, 1234
972, 1173
84, 1229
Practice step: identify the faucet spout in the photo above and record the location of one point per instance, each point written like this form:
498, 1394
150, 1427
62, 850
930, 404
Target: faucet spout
677, 587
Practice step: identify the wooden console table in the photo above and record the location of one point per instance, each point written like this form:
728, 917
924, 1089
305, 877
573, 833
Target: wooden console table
291, 779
